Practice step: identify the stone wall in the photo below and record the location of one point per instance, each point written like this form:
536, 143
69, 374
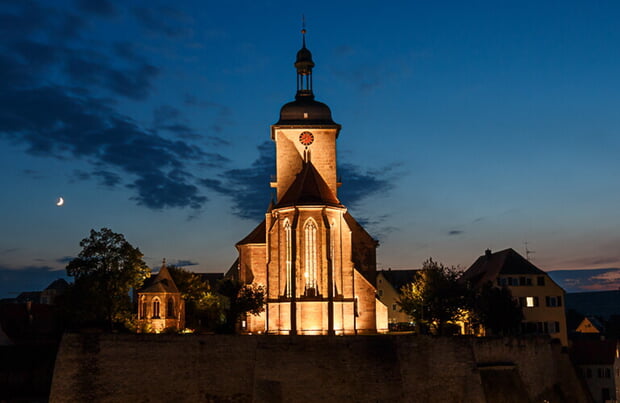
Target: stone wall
383, 368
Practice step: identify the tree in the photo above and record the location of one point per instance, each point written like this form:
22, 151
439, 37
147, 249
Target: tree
241, 299
435, 297
106, 269
496, 310
203, 307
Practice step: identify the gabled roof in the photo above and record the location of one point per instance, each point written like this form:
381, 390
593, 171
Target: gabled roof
258, 235
161, 282
601, 352
309, 188
398, 278
59, 284
590, 325
490, 265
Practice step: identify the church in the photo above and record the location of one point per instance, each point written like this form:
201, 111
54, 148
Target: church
316, 262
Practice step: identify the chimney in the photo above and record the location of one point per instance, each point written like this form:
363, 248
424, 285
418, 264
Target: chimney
487, 253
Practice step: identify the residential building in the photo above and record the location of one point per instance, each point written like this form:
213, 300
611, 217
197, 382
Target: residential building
598, 362
316, 262
389, 283
541, 299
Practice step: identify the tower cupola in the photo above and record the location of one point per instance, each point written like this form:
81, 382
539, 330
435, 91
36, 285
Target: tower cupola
304, 110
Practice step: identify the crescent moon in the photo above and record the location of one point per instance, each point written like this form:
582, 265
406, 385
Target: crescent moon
60, 201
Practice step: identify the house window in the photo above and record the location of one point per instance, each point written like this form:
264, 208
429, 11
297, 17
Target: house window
289, 258
531, 302
554, 327
393, 307
310, 258
553, 301
607, 373
156, 308
170, 308
540, 280
380, 293
588, 373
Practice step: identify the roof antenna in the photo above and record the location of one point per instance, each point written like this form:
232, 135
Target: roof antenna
528, 252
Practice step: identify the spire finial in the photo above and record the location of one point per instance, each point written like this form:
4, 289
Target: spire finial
163, 262
303, 30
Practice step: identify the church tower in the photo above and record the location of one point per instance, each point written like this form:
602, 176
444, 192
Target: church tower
316, 262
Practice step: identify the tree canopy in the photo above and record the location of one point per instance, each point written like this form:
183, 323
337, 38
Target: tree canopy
496, 310
241, 299
105, 271
435, 297
203, 306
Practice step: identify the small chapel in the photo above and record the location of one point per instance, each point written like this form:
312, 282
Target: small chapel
316, 262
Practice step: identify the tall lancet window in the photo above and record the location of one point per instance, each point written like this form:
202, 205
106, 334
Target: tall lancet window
289, 258
310, 258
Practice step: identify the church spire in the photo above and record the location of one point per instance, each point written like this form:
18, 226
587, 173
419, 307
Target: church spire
304, 65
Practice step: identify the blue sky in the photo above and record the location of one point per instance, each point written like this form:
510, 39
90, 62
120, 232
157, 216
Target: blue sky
466, 126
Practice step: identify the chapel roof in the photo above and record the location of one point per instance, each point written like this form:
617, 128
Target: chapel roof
161, 282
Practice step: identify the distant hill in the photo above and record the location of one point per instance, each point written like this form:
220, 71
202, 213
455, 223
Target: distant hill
587, 279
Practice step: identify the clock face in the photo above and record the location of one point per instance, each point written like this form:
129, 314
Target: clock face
306, 138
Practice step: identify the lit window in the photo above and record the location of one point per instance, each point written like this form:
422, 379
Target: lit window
529, 302
310, 258
289, 258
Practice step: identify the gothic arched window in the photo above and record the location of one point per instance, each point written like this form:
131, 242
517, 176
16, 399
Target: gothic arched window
310, 258
289, 258
142, 306
170, 308
156, 308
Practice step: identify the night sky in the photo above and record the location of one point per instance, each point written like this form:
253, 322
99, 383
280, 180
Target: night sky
466, 126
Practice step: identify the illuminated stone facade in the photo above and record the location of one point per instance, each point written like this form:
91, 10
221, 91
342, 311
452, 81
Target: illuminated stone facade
316, 262
160, 306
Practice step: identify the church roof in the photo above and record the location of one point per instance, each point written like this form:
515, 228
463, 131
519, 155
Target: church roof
309, 188
258, 235
161, 282
490, 265
304, 110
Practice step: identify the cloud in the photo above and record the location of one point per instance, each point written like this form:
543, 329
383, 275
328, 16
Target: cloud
65, 120
250, 193
587, 280
103, 8
13, 281
65, 259
184, 263
248, 188
455, 232
162, 20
